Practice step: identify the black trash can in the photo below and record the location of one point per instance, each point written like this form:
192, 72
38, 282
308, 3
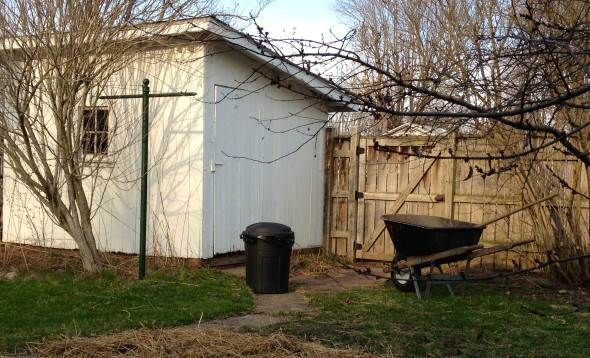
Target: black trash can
268, 256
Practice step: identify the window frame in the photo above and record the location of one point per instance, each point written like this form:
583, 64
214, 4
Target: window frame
95, 135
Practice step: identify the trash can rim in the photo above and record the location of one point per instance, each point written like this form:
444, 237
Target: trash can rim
267, 229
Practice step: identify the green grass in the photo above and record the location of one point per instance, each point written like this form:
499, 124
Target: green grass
484, 323
46, 305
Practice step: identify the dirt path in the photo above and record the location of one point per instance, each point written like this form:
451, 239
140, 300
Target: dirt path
270, 306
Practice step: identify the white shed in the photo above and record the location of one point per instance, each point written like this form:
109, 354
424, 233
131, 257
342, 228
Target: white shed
242, 150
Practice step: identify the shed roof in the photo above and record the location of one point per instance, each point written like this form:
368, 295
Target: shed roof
211, 29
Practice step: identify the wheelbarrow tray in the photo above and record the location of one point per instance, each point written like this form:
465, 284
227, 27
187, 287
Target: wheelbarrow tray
415, 235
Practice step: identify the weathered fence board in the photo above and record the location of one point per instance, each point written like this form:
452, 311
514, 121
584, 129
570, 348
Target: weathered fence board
366, 183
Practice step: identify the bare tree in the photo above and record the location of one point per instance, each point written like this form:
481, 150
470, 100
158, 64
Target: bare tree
56, 57
516, 71
394, 37
486, 64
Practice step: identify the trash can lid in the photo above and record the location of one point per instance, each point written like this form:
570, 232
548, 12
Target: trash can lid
268, 229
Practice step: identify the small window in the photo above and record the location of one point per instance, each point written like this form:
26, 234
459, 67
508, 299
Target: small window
95, 124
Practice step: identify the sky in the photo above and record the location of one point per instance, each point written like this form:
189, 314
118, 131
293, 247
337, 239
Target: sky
307, 19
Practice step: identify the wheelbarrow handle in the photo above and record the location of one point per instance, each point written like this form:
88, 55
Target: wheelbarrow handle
484, 224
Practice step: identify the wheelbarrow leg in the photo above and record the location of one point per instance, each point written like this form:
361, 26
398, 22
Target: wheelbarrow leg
447, 284
465, 274
415, 280
432, 276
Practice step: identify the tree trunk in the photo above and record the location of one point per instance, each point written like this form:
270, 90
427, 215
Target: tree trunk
76, 220
80, 229
82, 224
88, 251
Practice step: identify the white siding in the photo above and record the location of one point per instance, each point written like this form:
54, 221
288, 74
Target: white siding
194, 211
25, 220
257, 185
175, 159
175, 178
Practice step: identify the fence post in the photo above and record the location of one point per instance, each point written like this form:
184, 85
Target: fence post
353, 169
451, 179
328, 174
361, 186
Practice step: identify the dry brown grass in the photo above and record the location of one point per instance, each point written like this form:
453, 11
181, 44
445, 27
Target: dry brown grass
188, 342
318, 263
19, 257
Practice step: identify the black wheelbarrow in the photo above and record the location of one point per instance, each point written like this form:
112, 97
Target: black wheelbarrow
423, 235
421, 241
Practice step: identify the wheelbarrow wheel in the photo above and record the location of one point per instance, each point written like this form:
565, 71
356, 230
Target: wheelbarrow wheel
402, 278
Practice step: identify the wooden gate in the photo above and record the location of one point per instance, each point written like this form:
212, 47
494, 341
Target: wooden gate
395, 182
363, 183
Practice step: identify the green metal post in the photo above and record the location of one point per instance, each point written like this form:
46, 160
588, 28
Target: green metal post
145, 110
144, 168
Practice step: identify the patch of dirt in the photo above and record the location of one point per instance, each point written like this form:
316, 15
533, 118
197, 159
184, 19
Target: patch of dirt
24, 257
21, 258
539, 286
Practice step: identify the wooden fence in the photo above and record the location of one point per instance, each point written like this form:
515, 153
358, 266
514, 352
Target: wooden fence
363, 183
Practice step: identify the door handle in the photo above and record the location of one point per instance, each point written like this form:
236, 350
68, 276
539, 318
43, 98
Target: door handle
214, 165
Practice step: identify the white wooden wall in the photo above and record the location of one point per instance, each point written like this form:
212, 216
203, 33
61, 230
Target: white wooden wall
253, 184
195, 211
175, 178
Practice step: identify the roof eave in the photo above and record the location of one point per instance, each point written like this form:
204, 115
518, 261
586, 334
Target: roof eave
338, 99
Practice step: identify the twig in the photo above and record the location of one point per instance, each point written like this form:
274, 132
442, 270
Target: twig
200, 320
366, 271
539, 265
175, 283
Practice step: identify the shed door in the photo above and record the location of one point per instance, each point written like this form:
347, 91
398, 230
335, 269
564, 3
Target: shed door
237, 179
